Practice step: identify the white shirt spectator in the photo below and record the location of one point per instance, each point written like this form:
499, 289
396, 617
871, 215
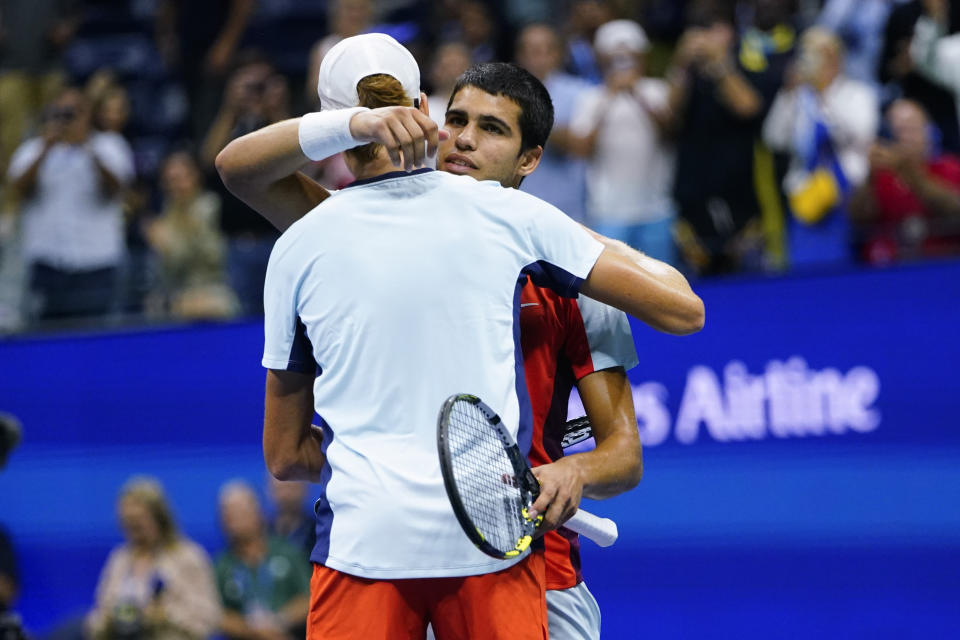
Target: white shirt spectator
630, 175
68, 222
850, 111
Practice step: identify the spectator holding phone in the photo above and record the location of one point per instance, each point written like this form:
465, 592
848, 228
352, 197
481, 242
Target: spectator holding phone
158, 584
618, 128
256, 96
71, 180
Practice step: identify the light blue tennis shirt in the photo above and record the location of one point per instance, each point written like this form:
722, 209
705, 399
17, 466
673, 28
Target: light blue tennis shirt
400, 291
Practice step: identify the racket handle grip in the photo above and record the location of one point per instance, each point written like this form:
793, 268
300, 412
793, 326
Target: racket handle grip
603, 531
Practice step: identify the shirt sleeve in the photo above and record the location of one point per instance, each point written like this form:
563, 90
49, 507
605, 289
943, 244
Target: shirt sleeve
114, 153
655, 92
564, 253
25, 155
609, 341
584, 117
286, 346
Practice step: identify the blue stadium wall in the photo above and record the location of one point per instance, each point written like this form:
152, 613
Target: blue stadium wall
802, 459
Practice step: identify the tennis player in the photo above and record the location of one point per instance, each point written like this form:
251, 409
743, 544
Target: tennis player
303, 455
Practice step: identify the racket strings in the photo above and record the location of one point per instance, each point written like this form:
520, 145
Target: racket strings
485, 478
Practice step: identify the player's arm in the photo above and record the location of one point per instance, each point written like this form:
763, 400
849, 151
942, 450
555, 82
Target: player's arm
649, 290
264, 168
614, 466
291, 443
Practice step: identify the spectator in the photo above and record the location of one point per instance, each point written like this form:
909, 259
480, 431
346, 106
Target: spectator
291, 520
33, 36
111, 103
586, 16
859, 24
478, 28
912, 186
618, 128
264, 581
191, 248
936, 54
900, 78
826, 122
720, 90
450, 60
71, 181
559, 179
158, 584
202, 39
111, 112
347, 18
256, 96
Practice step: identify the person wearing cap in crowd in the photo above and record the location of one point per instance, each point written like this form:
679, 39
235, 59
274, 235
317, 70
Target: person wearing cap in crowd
617, 127
428, 232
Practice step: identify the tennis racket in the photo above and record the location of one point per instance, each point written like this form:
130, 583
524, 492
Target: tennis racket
490, 484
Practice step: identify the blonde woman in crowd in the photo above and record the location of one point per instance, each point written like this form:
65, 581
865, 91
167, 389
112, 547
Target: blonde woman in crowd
158, 584
191, 249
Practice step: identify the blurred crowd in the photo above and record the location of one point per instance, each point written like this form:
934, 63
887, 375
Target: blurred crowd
160, 584
722, 136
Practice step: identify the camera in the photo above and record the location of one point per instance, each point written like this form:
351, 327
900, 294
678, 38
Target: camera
63, 115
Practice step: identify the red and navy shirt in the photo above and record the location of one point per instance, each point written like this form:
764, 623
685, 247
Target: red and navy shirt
563, 340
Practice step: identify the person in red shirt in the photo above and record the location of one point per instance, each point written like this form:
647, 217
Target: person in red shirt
906, 205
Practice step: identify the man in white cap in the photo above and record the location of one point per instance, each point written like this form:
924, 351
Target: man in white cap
618, 129
383, 248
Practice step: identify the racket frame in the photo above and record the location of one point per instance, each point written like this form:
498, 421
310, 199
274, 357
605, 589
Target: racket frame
526, 481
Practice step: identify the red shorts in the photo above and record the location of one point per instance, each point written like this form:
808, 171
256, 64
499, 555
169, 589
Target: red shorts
507, 605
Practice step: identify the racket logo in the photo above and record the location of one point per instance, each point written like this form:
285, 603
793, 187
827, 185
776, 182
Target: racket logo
509, 479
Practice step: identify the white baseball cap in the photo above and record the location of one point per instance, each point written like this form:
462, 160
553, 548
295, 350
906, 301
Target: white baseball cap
353, 59
619, 36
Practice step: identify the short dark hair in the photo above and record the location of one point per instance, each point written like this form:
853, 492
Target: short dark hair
521, 86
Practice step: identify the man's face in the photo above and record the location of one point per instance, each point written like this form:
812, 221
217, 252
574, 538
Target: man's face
910, 128
484, 138
539, 51
240, 516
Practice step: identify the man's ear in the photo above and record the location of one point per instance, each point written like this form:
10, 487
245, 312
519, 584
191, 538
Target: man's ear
529, 160
424, 105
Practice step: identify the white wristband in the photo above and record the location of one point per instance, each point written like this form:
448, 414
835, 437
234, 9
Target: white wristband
326, 133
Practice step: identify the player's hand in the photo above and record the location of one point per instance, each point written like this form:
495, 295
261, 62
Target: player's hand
404, 131
561, 487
